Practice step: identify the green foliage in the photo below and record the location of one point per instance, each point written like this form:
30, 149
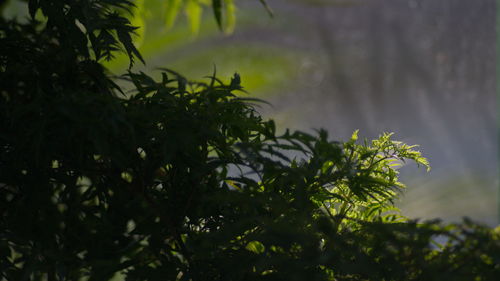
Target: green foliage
184, 180
264, 68
224, 12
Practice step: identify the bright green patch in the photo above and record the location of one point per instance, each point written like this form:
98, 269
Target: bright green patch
263, 68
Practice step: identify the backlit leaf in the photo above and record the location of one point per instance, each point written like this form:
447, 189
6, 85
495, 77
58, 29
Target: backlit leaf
171, 12
193, 14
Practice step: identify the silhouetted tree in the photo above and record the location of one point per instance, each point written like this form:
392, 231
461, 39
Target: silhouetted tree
185, 181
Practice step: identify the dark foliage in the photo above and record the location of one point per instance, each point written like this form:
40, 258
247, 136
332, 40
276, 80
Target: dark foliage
185, 181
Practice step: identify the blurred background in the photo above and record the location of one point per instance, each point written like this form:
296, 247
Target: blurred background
423, 69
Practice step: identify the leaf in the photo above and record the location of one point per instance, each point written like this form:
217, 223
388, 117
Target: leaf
233, 185
217, 8
354, 136
131, 50
193, 13
138, 21
327, 166
230, 11
268, 9
235, 82
171, 13
256, 247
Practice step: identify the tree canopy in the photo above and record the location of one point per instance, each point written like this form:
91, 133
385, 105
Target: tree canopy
181, 180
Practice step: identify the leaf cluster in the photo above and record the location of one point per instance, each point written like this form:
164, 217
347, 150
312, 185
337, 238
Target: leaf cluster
223, 11
182, 180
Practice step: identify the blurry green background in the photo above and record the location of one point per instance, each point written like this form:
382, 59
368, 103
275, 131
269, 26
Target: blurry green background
424, 69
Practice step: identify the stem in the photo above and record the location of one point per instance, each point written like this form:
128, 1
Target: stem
344, 208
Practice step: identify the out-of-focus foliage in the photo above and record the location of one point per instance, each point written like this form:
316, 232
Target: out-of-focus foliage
264, 68
185, 181
224, 12
196, 49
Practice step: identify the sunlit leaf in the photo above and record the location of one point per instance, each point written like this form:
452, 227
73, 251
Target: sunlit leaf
256, 247
354, 136
171, 12
230, 16
193, 14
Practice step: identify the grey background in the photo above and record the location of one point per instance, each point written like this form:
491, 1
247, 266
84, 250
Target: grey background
422, 69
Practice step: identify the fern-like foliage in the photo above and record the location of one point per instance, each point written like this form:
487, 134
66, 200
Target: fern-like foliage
182, 180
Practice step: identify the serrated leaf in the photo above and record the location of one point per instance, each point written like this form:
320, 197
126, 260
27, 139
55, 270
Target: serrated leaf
128, 44
138, 21
235, 81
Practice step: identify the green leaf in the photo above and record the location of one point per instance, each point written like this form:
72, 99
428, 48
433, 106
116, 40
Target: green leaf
230, 11
256, 247
193, 13
354, 136
172, 11
326, 168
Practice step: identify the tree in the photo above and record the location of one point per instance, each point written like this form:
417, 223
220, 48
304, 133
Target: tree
184, 180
